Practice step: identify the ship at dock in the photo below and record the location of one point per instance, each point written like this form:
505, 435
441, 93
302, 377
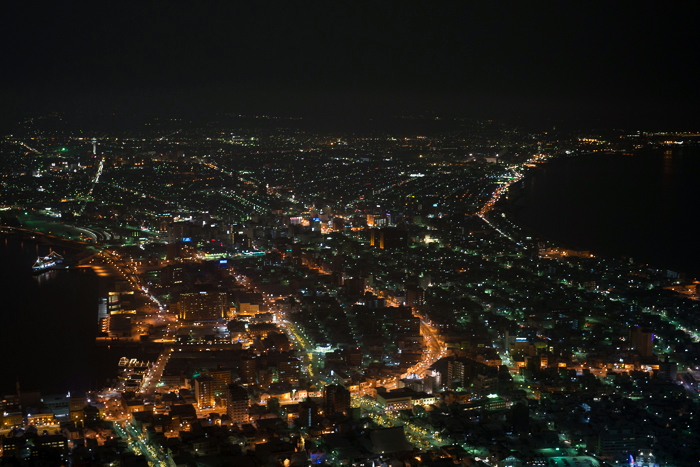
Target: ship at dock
44, 263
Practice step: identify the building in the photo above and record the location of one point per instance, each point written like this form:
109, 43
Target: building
289, 370
519, 417
117, 301
415, 297
237, 405
204, 391
398, 399
32, 448
249, 370
355, 286
308, 412
641, 340
668, 371
120, 314
617, 443
405, 324
203, 306
119, 324
76, 405
248, 304
221, 378
336, 398
455, 373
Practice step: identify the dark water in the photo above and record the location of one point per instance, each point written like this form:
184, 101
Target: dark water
48, 325
643, 206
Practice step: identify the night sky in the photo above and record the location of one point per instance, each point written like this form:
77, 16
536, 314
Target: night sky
586, 64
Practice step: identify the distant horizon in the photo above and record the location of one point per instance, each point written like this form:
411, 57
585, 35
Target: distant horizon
344, 119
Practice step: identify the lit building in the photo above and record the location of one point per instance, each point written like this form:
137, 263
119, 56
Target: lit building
455, 372
204, 391
405, 324
249, 370
237, 406
75, 407
118, 301
415, 297
336, 398
120, 309
221, 379
289, 370
248, 304
203, 306
398, 399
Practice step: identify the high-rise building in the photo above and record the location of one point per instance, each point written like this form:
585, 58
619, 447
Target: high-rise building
432, 381
641, 340
237, 405
519, 416
668, 371
455, 372
221, 379
249, 371
415, 297
354, 357
336, 398
308, 411
204, 391
289, 370
76, 406
355, 286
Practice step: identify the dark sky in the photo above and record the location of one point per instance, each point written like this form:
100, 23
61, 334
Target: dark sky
589, 63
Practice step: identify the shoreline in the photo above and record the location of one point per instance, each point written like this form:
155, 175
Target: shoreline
69, 326
509, 209
515, 200
45, 238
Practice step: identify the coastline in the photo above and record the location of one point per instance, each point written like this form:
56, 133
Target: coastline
528, 230
49, 320
604, 239
57, 313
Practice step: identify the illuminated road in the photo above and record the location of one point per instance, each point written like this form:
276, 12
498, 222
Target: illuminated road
244, 201
433, 350
130, 273
154, 374
434, 347
138, 444
417, 435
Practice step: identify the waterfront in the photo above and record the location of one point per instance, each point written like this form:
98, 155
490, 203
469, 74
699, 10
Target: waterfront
48, 324
639, 206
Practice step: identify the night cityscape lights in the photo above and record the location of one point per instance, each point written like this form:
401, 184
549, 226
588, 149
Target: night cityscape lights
289, 297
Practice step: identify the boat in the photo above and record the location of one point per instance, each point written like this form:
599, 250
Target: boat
44, 263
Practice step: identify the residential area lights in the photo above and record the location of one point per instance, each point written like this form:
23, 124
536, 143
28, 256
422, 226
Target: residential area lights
305, 302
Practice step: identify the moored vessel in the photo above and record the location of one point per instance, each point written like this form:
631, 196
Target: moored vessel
44, 263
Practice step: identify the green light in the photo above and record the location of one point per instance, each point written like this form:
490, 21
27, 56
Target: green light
63, 149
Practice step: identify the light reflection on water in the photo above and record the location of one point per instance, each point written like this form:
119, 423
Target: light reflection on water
620, 205
48, 324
